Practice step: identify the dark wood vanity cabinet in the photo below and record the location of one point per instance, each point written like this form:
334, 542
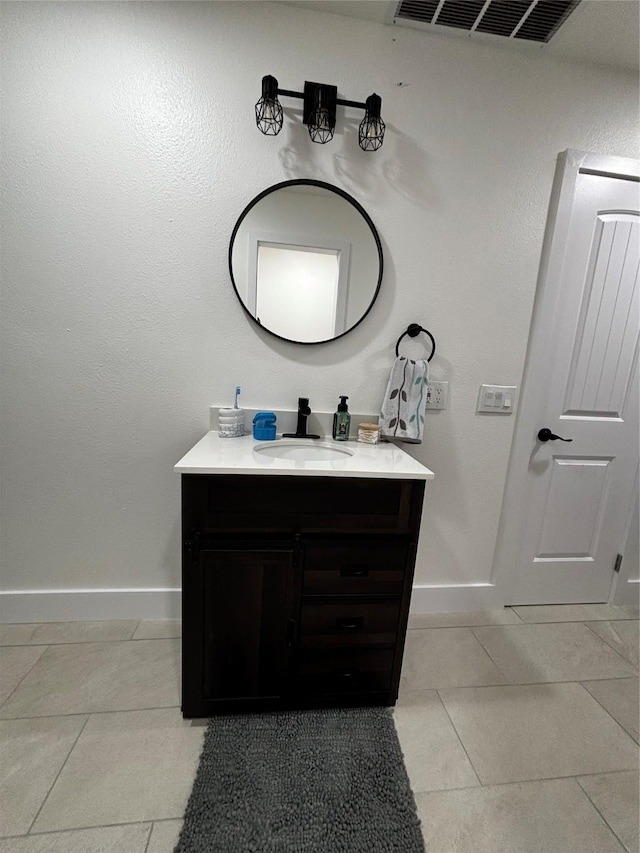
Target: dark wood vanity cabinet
295, 590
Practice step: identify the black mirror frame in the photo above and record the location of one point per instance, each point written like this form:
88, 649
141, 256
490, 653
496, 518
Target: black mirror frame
337, 191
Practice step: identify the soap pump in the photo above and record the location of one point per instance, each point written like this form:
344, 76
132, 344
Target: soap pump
342, 421
231, 421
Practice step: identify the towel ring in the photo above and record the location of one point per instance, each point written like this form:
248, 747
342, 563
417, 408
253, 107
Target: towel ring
413, 331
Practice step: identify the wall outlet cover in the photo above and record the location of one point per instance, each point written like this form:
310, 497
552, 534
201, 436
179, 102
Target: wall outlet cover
437, 394
497, 399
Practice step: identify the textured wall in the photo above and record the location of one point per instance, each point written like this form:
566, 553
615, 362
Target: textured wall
129, 149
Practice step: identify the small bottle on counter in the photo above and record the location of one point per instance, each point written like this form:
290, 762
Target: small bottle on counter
342, 421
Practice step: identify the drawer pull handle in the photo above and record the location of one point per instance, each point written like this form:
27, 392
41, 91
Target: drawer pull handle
346, 623
346, 673
355, 570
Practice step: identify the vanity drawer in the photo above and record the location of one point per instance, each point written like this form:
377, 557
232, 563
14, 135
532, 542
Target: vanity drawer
295, 504
354, 568
327, 671
340, 623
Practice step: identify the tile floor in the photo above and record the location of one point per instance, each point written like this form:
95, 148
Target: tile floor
519, 729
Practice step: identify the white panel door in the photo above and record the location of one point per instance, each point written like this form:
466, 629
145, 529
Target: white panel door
582, 384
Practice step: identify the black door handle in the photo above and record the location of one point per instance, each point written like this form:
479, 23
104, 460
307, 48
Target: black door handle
545, 434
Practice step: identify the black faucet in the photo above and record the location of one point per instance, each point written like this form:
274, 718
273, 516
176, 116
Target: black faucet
301, 428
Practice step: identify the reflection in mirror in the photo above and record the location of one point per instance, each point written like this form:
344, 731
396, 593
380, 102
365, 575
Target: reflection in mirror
305, 261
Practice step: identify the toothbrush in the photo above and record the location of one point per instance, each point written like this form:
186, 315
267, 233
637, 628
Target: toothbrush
235, 399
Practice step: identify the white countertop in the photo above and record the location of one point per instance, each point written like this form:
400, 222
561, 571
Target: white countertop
215, 455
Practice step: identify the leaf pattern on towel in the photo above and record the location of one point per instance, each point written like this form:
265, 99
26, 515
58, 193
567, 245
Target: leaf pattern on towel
392, 422
397, 421
394, 394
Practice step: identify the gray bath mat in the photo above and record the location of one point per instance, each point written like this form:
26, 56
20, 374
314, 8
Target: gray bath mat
319, 781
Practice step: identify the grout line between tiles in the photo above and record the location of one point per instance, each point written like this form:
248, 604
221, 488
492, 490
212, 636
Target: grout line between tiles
93, 714
413, 689
153, 823
568, 621
111, 642
607, 710
87, 641
146, 846
105, 825
614, 678
517, 782
64, 763
521, 620
419, 793
617, 651
82, 829
459, 738
36, 625
44, 649
602, 817
488, 654
622, 658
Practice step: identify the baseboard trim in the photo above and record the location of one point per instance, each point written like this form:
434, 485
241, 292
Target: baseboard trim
74, 605
454, 598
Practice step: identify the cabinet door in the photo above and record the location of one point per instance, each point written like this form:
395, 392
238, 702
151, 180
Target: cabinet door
247, 609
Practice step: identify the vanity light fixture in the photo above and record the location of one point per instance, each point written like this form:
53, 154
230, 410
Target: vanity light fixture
319, 112
321, 120
371, 131
268, 108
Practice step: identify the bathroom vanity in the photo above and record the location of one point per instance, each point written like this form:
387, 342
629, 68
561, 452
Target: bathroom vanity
297, 572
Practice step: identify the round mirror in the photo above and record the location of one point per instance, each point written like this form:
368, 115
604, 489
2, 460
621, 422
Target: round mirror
306, 261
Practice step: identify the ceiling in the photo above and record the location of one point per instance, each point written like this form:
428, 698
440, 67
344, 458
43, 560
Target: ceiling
605, 32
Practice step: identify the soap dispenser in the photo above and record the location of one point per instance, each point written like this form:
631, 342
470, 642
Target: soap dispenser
342, 421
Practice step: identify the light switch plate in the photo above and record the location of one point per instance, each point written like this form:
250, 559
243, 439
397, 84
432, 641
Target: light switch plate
497, 399
437, 394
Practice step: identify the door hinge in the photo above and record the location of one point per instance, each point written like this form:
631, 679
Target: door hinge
618, 563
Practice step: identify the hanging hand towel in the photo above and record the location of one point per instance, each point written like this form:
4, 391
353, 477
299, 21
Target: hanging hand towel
402, 415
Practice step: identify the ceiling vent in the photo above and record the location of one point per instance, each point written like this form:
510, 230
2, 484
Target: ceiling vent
530, 20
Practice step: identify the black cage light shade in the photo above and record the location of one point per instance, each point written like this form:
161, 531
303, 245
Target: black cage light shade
269, 108
371, 131
319, 112
321, 121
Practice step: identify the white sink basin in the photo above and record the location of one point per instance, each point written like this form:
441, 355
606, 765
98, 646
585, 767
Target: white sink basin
309, 452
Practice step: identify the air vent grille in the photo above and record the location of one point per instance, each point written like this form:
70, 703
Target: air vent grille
417, 10
530, 20
544, 19
460, 13
503, 16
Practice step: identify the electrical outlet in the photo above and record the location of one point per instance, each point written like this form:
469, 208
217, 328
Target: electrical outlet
437, 395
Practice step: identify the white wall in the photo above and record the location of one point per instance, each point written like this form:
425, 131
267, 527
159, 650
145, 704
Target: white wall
129, 150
